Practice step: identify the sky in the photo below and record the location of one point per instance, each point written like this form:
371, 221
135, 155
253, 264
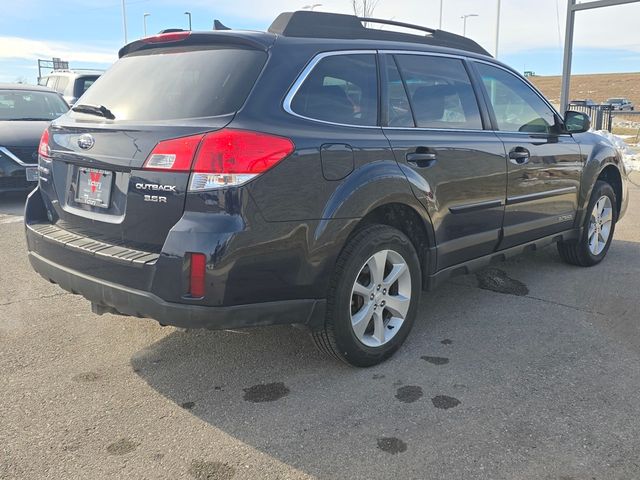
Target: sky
88, 33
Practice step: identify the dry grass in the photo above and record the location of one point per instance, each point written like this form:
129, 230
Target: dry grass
598, 87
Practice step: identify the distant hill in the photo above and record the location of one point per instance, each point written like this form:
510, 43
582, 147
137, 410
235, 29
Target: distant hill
597, 87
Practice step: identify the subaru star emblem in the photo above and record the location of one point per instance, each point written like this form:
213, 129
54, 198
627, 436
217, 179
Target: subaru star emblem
86, 141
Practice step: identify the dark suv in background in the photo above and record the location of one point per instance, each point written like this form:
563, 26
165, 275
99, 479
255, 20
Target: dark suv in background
321, 173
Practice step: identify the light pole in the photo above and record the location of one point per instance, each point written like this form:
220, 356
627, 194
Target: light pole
188, 14
497, 29
464, 20
311, 7
144, 23
124, 21
440, 24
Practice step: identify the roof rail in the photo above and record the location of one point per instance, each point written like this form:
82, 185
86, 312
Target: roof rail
309, 24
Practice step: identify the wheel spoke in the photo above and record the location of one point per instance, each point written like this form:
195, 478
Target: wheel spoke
398, 305
592, 230
360, 321
607, 216
378, 327
361, 290
395, 273
601, 203
376, 266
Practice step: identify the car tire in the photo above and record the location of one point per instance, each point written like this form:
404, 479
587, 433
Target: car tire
372, 299
597, 232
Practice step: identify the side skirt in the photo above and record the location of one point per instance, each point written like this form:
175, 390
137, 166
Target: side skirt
436, 279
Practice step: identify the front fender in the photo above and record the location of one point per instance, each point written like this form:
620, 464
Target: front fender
598, 153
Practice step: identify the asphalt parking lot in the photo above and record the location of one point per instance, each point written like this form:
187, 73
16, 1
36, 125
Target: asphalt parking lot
539, 381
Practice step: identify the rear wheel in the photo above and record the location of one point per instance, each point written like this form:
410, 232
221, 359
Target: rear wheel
373, 297
593, 244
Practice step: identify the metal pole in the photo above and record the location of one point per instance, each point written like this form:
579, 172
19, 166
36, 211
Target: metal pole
440, 24
498, 29
189, 15
568, 54
124, 21
144, 23
464, 26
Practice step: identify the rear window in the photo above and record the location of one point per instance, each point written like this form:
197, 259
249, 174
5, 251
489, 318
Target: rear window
165, 84
83, 83
30, 105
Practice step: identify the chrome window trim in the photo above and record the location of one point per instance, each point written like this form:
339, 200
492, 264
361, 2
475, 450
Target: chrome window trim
13, 157
288, 99
316, 59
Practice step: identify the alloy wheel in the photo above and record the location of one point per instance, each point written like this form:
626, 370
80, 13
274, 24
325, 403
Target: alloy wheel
380, 298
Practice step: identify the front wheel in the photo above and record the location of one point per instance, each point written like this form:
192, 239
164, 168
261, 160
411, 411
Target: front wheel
373, 297
594, 243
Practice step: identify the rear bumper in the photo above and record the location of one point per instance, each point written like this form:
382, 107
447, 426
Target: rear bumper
127, 301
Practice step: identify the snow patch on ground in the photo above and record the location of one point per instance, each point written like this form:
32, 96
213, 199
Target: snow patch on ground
630, 153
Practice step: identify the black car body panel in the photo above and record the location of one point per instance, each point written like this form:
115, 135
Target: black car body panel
271, 244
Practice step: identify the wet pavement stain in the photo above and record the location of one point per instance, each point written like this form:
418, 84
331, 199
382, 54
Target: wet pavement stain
446, 341
392, 445
266, 392
435, 360
498, 281
445, 402
201, 470
85, 377
122, 447
409, 393
188, 405
378, 376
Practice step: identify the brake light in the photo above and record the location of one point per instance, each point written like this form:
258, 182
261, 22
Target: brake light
175, 155
167, 37
43, 149
196, 277
232, 157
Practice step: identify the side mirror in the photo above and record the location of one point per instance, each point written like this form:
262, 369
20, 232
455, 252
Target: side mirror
576, 122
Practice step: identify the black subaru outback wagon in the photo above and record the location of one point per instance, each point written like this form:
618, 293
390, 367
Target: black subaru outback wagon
321, 173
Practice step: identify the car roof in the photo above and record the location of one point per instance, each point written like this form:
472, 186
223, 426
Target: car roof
24, 86
73, 73
326, 30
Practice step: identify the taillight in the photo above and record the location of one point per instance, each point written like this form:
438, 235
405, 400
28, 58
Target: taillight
223, 158
175, 155
43, 149
232, 157
197, 274
167, 37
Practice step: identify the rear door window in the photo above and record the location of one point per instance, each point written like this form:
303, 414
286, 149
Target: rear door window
178, 82
440, 92
340, 89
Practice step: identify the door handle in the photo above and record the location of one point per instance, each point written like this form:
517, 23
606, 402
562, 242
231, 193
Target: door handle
519, 156
422, 160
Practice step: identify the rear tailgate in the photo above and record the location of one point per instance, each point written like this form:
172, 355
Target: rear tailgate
96, 183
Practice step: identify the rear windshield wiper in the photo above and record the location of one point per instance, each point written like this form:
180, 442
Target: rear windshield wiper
99, 110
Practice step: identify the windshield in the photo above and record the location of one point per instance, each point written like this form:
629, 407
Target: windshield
170, 83
30, 105
614, 100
